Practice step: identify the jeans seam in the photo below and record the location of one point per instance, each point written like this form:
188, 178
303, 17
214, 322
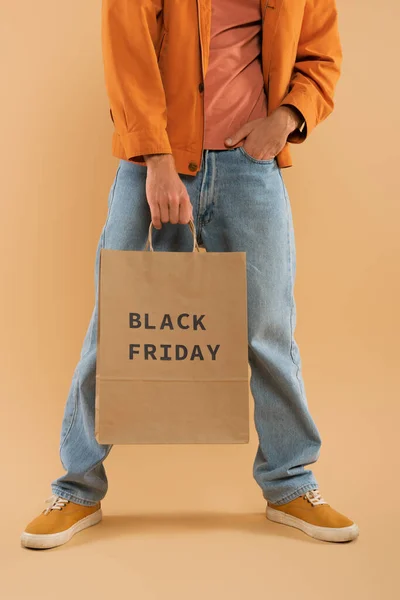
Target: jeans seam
73, 417
111, 201
291, 280
204, 170
209, 211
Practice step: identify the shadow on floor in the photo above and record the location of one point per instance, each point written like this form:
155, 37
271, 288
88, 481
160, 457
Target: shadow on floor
114, 527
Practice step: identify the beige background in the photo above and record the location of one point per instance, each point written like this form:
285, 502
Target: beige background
187, 522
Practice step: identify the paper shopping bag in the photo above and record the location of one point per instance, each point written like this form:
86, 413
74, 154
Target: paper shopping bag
172, 355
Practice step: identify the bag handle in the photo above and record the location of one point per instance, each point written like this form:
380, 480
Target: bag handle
149, 243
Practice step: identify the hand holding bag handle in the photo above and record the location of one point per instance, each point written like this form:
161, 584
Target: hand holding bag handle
149, 243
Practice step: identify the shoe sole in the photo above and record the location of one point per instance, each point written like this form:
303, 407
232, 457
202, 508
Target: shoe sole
51, 540
326, 534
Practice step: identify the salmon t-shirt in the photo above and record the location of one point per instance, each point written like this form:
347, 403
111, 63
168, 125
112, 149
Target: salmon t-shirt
234, 84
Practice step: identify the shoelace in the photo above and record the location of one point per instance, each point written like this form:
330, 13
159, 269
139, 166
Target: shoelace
56, 503
314, 497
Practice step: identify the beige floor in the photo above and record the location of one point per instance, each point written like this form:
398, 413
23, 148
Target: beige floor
188, 522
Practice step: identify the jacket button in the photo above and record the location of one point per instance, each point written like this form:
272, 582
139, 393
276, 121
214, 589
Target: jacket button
192, 166
201, 87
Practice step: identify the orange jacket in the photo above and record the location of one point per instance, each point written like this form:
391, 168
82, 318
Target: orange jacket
156, 54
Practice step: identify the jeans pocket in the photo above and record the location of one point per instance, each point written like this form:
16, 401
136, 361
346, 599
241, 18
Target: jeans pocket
258, 161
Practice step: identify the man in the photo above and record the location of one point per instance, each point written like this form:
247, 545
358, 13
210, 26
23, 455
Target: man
205, 97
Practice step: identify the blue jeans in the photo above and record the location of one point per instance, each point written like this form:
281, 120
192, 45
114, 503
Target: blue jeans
239, 205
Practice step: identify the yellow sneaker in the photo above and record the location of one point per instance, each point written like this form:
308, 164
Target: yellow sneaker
315, 517
59, 522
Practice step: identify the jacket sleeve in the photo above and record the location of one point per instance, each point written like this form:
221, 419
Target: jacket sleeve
132, 76
317, 67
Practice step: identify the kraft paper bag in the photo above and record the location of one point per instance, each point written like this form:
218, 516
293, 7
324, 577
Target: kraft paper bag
172, 360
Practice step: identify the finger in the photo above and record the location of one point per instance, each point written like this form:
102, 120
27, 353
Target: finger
185, 211
239, 135
174, 209
164, 210
155, 215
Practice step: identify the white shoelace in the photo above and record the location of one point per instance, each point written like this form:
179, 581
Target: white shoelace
56, 503
314, 497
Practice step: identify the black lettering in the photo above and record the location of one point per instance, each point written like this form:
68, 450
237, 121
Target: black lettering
166, 322
166, 356
196, 353
178, 355
149, 350
132, 350
134, 320
197, 322
146, 322
214, 351
180, 317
